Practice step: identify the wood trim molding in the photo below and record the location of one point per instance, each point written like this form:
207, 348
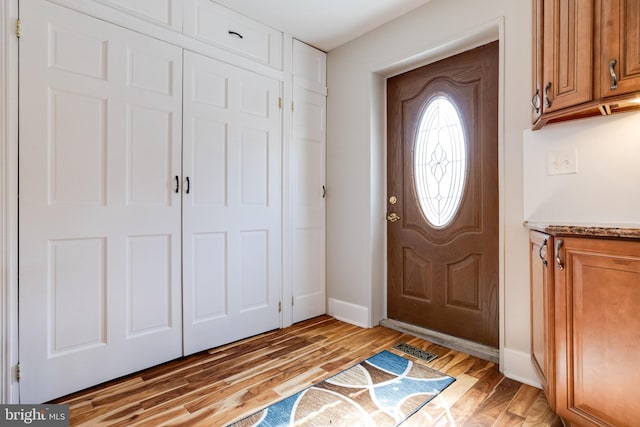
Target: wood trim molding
8, 201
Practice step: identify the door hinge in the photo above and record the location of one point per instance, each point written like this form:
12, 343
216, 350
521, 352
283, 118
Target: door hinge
292, 109
280, 103
291, 300
279, 306
18, 28
18, 372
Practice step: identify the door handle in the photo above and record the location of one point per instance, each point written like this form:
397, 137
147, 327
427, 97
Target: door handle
392, 217
559, 262
612, 72
535, 101
542, 256
546, 95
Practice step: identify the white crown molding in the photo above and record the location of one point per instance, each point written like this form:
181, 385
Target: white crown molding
8, 201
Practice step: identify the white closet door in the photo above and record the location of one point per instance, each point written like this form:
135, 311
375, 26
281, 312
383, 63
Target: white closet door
100, 122
232, 214
308, 180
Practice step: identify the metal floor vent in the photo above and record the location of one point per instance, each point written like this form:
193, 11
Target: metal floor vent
415, 352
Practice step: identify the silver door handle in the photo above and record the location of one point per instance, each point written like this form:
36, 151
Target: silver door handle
559, 261
612, 71
543, 247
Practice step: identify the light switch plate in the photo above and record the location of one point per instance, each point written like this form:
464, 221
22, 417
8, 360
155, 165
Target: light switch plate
560, 162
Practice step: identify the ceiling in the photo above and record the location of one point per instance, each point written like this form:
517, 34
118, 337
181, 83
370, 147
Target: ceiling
325, 24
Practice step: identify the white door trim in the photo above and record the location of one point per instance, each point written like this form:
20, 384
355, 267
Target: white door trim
9, 392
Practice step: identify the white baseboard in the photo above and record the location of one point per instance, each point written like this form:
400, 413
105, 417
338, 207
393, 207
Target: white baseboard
517, 366
347, 312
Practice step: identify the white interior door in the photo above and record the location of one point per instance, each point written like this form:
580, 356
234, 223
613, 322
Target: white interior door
232, 214
99, 266
308, 155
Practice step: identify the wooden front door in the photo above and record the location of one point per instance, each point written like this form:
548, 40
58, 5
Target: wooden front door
443, 196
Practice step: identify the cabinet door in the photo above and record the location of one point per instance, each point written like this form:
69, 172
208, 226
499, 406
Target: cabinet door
567, 53
542, 311
537, 86
100, 120
212, 23
620, 59
598, 332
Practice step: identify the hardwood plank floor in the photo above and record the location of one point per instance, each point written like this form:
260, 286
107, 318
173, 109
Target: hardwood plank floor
216, 387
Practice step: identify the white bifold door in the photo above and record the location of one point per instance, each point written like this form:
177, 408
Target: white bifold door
232, 214
100, 123
102, 190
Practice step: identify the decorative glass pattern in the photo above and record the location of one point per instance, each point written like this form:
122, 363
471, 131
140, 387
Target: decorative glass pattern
440, 161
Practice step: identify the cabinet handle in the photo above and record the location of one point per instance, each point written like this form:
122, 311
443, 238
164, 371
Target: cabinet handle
324, 191
188, 185
542, 257
558, 259
535, 101
612, 71
177, 190
234, 33
546, 94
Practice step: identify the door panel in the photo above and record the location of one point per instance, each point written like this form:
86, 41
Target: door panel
308, 201
77, 273
444, 276
98, 215
568, 53
596, 320
232, 213
620, 30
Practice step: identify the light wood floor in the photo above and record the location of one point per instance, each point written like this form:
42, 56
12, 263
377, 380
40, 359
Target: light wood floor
224, 384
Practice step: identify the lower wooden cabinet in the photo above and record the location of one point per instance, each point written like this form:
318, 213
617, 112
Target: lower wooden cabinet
542, 311
589, 367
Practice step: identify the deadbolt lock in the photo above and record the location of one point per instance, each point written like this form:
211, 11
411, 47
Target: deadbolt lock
393, 200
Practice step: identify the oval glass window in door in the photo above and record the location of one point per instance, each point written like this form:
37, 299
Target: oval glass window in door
440, 161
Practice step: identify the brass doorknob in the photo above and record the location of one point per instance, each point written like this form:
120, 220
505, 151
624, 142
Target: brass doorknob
393, 217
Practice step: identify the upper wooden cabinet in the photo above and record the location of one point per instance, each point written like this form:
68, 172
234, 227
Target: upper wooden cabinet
620, 41
567, 54
536, 99
586, 58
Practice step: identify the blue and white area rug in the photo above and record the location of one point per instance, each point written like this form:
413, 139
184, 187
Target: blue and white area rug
383, 390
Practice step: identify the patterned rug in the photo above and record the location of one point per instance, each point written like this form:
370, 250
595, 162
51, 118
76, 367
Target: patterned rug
381, 391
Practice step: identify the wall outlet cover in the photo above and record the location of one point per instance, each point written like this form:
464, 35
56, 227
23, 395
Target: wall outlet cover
561, 162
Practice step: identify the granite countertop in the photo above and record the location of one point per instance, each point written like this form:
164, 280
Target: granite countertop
625, 231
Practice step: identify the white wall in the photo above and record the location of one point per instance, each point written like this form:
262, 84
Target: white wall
356, 257
605, 189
